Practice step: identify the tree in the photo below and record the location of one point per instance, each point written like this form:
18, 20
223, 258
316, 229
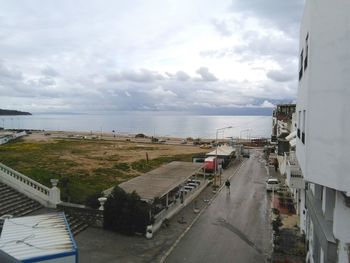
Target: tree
126, 213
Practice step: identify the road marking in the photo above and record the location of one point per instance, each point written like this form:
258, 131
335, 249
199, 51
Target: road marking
197, 217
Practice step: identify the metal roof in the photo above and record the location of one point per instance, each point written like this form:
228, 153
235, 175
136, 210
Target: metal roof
162, 180
222, 151
31, 237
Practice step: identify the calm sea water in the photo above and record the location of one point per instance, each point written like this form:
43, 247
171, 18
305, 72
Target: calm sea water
149, 123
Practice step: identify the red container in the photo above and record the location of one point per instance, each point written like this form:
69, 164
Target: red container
210, 164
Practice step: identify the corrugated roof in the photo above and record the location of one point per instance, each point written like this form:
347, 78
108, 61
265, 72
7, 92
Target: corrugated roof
36, 236
222, 151
160, 181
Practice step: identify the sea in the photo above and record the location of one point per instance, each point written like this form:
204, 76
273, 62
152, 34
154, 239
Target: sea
166, 124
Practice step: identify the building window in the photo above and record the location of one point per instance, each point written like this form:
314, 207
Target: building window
301, 64
299, 117
303, 128
306, 51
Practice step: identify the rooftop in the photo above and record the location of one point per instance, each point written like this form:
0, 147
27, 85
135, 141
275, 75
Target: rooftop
25, 238
162, 180
224, 150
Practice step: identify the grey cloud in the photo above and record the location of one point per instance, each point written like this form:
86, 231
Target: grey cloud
47, 81
7, 73
221, 27
285, 15
272, 46
182, 76
281, 76
49, 71
206, 75
143, 75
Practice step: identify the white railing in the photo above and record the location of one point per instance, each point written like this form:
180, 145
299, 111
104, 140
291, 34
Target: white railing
48, 197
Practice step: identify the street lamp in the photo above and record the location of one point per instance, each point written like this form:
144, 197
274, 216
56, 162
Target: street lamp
240, 134
216, 152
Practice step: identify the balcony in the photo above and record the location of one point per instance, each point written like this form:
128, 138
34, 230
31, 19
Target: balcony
294, 176
300, 73
296, 180
323, 228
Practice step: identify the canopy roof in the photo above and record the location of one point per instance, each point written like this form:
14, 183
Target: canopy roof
162, 180
223, 150
292, 135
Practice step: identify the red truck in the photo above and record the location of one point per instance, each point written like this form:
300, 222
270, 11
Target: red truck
210, 164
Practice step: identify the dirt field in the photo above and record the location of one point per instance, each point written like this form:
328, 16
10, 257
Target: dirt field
85, 163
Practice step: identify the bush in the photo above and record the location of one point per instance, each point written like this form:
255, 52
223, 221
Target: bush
126, 213
275, 211
92, 200
276, 224
122, 166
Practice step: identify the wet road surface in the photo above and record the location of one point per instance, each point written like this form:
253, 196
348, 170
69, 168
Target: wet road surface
235, 227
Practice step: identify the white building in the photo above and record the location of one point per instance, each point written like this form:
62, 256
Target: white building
323, 125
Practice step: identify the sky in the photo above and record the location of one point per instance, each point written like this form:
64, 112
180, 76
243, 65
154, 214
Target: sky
162, 55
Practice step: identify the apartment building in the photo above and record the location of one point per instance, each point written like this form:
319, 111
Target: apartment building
323, 125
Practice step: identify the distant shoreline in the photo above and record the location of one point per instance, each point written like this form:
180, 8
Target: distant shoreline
13, 113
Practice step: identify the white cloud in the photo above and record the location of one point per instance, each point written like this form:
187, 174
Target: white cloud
267, 104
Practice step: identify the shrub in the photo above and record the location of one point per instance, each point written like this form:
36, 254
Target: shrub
92, 200
275, 211
126, 213
276, 223
122, 166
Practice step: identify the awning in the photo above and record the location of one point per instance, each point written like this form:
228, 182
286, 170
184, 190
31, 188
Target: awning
223, 150
293, 142
291, 136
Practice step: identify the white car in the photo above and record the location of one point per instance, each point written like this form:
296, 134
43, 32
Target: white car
272, 184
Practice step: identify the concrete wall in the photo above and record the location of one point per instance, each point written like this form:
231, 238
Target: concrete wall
48, 197
324, 93
302, 210
341, 227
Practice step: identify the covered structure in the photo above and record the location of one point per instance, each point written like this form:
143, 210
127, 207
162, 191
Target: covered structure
224, 153
41, 238
168, 188
163, 182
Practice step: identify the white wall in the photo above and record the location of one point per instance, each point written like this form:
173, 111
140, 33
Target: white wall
341, 227
302, 223
325, 94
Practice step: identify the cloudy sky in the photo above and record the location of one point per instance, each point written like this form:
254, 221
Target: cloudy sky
107, 55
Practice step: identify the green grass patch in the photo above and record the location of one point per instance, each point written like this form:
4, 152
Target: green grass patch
43, 161
143, 166
122, 166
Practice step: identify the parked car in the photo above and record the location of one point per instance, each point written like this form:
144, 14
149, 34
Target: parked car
272, 184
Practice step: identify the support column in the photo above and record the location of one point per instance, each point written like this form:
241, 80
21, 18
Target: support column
55, 194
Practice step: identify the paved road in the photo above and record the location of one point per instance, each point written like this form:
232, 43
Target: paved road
235, 227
